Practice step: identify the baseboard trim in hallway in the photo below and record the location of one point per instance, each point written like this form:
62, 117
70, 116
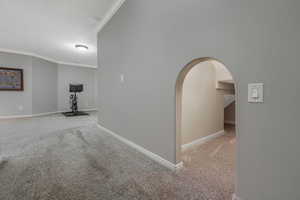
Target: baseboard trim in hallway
153, 156
42, 114
22, 116
202, 140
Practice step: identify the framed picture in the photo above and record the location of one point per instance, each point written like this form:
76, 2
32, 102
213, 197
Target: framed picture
11, 79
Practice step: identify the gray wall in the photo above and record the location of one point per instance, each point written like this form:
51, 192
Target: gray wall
86, 76
44, 84
258, 41
12, 102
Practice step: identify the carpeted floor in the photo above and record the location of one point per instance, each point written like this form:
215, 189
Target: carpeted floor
54, 158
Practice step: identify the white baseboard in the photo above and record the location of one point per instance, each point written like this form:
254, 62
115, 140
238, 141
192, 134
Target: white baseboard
235, 197
153, 156
15, 116
41, 114
44, 114
229, 122
202, 140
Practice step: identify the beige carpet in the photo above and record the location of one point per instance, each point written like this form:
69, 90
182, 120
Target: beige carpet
211, 166
54, 158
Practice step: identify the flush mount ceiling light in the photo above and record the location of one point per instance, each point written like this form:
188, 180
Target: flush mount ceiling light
81, 47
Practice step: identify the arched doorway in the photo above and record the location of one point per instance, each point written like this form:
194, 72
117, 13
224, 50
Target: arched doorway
223, 86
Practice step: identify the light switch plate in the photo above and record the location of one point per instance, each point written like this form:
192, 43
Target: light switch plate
122, 78
256, 93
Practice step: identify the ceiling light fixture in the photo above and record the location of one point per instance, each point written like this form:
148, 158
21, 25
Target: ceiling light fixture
81, 47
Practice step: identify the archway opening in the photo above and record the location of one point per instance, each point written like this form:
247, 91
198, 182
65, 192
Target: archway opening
205, 124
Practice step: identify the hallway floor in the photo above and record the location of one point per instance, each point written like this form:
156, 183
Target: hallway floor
55, 158
211, 166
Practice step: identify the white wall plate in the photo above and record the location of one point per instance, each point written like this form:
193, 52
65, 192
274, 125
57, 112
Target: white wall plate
256, 93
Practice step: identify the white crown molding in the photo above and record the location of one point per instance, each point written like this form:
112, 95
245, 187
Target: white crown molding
45, 58
76, 64
153, 156
202, 140
109, 15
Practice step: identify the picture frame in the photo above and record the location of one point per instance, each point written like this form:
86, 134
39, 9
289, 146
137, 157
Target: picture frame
11, 79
